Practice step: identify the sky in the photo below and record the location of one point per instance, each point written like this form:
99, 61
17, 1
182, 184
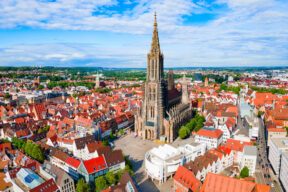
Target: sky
118, 33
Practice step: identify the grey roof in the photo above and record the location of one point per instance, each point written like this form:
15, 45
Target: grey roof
281, 142
250, 150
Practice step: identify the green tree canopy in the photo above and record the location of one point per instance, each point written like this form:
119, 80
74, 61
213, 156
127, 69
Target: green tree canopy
183, 132
101, 183
6, 95
110, 177
121, 131
260, 113
81, 186
37, 153
244, 172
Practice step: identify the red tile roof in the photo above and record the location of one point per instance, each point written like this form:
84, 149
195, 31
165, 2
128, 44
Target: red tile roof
73, 162
276, 130
219, 154
19, 120
236, 145
48, 185
187, 179
5, 146
218, 183
224, 149
216, 133
95, 164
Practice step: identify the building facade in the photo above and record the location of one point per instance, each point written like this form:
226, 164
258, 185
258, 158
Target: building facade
212, 137
249, 159
164, 109
163, 161
284, 171
277, 147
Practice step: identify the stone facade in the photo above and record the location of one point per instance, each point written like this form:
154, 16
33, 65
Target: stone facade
163, 109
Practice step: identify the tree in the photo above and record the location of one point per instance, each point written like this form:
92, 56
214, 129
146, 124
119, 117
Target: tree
121, 131
37, 153
260, 113
81, 186
244, 172
28, 148
40, 87
183, 132
111, 135
199, 125
101, 183
6, 95
110, 177
39, 130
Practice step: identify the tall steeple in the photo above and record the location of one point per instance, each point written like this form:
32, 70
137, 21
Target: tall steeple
155, 57
97, 82
154, 105
155, 45
185, 97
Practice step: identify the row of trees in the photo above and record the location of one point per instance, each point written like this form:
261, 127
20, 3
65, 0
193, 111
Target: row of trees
224, 87
195, 124
269, 90
103, 182
31, 149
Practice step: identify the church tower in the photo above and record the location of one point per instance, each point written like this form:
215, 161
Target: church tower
97, 82
185, 97
170, 80
154, 98
206, 82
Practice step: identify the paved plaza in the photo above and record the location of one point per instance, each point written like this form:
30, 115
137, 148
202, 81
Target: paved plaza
135, 149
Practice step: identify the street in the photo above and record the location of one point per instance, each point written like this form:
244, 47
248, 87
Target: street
264, 173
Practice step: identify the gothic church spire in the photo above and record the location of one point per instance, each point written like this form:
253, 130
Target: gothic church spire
155, 45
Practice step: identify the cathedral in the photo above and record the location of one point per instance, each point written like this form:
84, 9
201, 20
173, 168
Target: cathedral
164, 109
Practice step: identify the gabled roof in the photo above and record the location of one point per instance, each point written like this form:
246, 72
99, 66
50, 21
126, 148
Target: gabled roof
224, 149
73, 162
92, 147
236, 145
187, 179
61, 155
95, 164
213, 133
218, 183
82, 141
48, 185
114, 158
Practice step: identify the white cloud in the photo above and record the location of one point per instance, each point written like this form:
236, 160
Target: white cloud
249, 31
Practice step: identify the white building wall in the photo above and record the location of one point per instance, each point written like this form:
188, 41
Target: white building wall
284, 171
160, 169
210, 142
275, 153
250, 162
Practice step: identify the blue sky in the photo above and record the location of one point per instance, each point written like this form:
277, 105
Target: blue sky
117, 33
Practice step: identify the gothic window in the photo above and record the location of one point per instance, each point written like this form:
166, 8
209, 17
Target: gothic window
152, 112
152, 69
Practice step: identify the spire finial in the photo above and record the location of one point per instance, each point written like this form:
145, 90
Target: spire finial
155, 41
